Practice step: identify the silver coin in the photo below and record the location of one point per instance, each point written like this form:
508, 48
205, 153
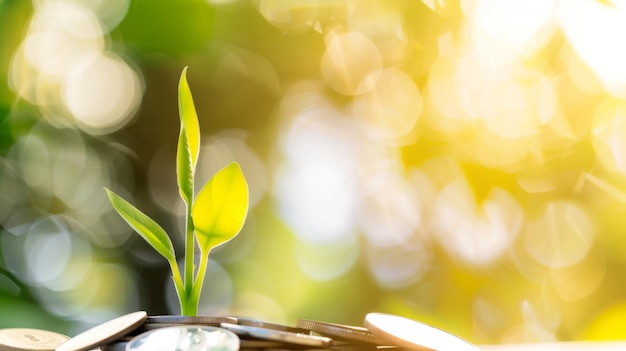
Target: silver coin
114, 346
185, 338
414, 335
267, 325
18, 339
279, 335
104, 333
190, 320
342, 331
264, 344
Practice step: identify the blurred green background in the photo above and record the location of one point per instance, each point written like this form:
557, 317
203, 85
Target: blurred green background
462, 163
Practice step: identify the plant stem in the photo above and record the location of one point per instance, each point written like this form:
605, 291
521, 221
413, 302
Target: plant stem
194, 297
180, 289
189, 253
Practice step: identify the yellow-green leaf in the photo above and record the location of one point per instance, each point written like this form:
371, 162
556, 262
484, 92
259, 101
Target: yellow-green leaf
151, 231
221, 207
184, 170
188, 140
188, 118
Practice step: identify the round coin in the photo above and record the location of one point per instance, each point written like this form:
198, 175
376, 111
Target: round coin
264, 344
152, 326
267, 325
104, 333
246, 332
18, 339
414, 335
190, 320
365, 347
114, 346
185, 338
342, 331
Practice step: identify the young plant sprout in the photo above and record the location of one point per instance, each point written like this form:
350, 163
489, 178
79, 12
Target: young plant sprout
215, 216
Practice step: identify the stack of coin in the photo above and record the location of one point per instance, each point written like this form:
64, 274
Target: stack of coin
139, 332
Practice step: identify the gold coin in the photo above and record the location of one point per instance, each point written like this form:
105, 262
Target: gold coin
245, 332
18, 339
414, 335
105, 332
342, 331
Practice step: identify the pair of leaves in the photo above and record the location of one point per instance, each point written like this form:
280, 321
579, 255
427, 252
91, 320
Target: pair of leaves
221, 206
218, 214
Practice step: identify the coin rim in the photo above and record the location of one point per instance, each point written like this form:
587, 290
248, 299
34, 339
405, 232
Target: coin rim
251, 322
346, 332
212, 321
389, 335
128, 323
279, 335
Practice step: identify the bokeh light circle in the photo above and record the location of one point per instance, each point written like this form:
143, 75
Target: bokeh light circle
390, 110
609, 135
103, 93
562, 236
327, 262
315, 187
351, 64
400, 266
476, 233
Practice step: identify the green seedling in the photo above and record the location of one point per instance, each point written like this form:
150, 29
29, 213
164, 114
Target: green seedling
213, 217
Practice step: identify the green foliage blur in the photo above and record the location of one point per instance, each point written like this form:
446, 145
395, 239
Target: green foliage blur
459, 162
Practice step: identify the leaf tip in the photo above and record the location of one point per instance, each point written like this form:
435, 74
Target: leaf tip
234, 165
183, 79
183, 75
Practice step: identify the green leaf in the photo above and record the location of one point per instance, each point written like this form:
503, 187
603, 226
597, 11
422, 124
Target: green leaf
221, 207
188, 117
184, 170
144, 225
188, 140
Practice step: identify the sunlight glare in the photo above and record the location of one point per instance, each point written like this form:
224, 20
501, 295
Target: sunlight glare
318, 202
584, 22
522, 26
316, 186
